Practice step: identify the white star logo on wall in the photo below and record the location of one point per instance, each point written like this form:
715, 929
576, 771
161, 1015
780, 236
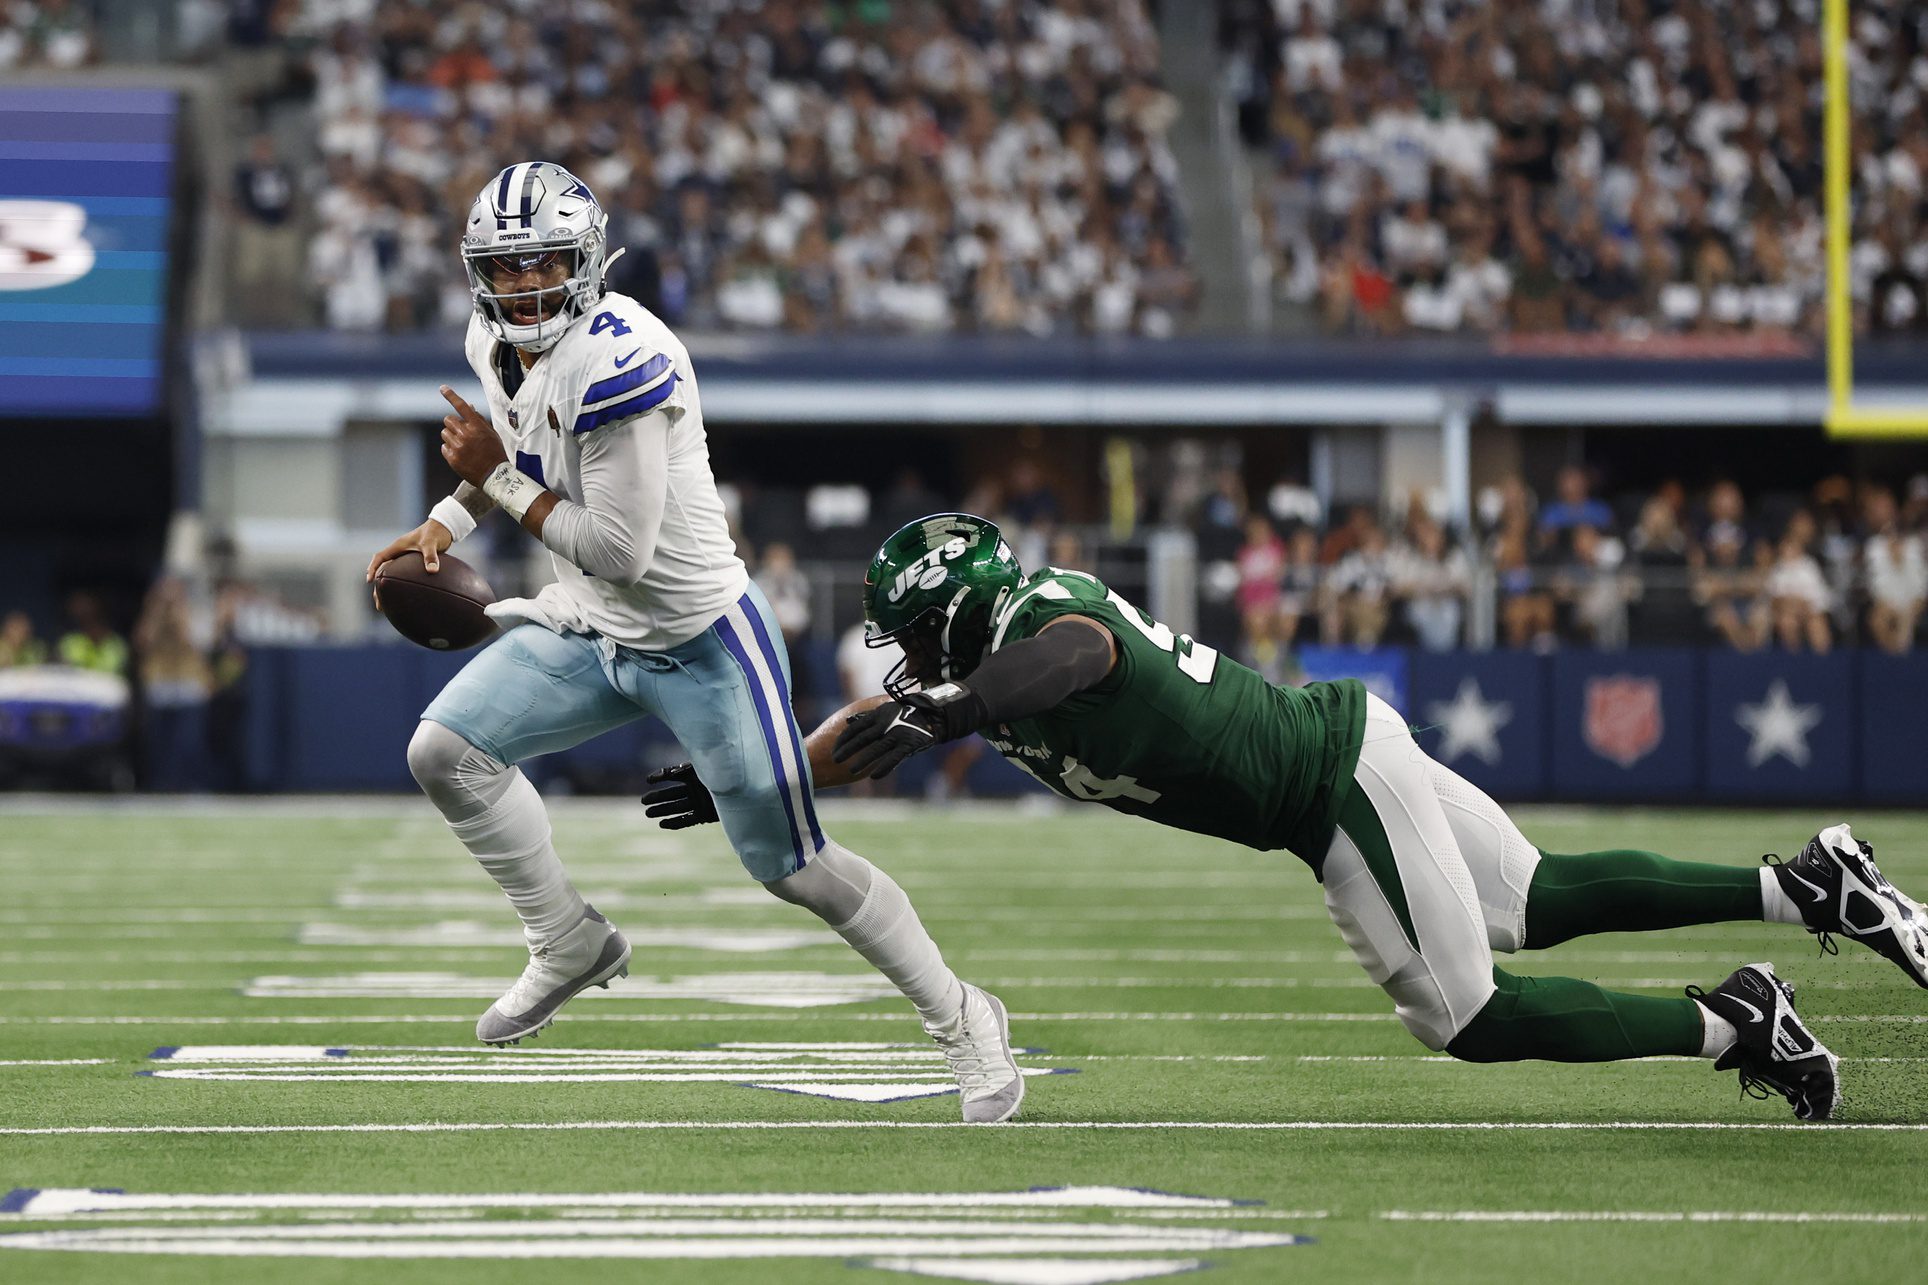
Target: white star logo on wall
1469, 723
1778, 726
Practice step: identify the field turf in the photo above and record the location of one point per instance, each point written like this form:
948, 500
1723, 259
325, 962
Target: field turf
310, 972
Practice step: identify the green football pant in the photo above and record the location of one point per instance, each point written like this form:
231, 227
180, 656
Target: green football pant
1628, 891
1423, 924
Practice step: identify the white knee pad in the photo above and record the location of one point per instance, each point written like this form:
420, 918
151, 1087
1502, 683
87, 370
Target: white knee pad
461, 780
1501, 859
832, 887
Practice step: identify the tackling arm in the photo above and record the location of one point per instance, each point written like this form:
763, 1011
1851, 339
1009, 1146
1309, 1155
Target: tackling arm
1070, 655
870, 737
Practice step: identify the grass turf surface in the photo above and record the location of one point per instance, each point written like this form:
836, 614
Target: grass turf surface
1185, 981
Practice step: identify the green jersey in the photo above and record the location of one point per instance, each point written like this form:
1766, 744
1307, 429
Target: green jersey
1182, 735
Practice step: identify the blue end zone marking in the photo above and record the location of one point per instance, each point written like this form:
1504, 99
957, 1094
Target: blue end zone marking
334, 1052
164, 1052
146, 1073
17, 1199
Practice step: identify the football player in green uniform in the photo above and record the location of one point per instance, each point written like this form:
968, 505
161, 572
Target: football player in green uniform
1425, 876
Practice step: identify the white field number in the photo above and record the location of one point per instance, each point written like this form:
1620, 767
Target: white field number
1196, 660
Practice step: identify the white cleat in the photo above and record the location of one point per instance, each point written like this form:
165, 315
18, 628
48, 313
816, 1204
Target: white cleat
590, 954
1840, 891
977, 1044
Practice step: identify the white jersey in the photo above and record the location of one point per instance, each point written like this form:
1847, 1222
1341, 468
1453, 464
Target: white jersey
577, 412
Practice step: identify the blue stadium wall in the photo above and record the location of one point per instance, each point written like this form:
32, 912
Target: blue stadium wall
1648, 724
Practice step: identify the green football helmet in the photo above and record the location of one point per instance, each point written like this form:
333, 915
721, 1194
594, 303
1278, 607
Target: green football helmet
933, 589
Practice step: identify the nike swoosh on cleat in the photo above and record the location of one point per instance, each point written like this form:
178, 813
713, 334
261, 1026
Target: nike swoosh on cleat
624, 361
1756, 1014
1820, 893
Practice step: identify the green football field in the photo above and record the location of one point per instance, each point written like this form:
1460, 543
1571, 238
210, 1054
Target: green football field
253, 1023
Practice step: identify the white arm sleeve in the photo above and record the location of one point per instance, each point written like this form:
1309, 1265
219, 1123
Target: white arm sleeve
625, 483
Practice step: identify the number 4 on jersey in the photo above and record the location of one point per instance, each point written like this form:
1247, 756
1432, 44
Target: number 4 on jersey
608, 321
1196, 660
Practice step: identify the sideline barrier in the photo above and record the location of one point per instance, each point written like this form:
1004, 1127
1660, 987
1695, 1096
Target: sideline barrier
1661, 724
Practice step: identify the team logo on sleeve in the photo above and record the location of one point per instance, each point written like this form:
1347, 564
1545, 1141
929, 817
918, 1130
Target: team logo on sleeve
1623, 718
43, 244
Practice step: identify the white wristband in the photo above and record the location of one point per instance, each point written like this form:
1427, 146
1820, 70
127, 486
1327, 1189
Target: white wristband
451, 513
512, 490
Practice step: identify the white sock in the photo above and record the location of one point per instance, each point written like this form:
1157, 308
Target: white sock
510, 840
1717, 1033
1776, 906
887, 932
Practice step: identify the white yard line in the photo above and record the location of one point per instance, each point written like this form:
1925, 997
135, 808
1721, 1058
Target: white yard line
1099, 1126
1644, 1216
58, 1061
751, 1018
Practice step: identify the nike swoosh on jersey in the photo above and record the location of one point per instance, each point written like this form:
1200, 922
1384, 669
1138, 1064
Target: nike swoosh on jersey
624, 361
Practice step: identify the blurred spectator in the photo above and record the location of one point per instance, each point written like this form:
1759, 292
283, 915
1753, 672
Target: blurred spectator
267, 241
787, 588
90, 644
1726, 518
1797, 593
1358, 590
1594, 590
1654, 167
1897, 586
227, 699
1432, 580
1526, 609
175, 684
1665, 612
785, 164
1301, 583
1261, 569
1573, 507
49, 33
1897, 578
18, 646
1728, 586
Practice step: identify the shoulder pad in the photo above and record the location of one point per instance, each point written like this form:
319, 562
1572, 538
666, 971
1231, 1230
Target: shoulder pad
624, 379
1051, 592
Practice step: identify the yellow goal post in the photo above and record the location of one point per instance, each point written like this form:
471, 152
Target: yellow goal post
1844, 418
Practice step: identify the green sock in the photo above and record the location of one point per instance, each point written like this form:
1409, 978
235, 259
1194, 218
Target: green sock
1619, 892
1561, 1019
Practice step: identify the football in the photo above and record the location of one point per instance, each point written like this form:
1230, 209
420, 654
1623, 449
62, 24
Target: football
440, 609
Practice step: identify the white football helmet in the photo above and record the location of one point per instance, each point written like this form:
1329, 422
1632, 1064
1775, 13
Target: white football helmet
525, 214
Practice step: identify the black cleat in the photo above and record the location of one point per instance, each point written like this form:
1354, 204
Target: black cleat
1841, 892
1776, 1051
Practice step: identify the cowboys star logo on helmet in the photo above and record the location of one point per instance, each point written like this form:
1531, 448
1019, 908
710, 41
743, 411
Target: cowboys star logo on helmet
530, 217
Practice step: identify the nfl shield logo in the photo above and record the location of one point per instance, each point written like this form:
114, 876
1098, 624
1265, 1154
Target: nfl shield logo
1623, 723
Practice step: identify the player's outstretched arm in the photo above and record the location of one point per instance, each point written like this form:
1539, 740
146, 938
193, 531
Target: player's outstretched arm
677, 798
1030, 676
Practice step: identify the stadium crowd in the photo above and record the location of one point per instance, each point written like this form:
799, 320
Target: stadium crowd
1844, 563
46, 33
794, 164
1629, 167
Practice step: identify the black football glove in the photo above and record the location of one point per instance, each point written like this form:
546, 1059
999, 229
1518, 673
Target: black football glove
677, 798
876, 741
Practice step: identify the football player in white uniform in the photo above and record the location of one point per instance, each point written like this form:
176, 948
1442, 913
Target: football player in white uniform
594, 442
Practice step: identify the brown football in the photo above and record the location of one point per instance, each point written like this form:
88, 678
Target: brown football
441, 609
